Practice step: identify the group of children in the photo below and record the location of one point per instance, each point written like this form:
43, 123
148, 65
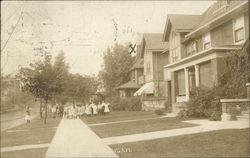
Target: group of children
91, 109
74, 111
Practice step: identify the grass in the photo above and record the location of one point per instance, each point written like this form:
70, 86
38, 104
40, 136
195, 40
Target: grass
135, 127
35, 133
31, 153
222, 143
120, 116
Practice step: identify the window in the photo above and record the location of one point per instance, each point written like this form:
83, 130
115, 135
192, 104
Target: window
181, 83
133, 75
239, 30
223, 3
206, 41
191, 48
175, 47
206, 75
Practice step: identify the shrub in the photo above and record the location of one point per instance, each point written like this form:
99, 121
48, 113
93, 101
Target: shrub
203, 103
129, 104
159, 112
133, 104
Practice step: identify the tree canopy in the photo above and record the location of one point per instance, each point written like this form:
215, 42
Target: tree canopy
117, 62
44, 79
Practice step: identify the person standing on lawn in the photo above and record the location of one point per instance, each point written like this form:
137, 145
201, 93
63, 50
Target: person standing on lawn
27, 116
53, 110
95, 112
92, 108
106, 108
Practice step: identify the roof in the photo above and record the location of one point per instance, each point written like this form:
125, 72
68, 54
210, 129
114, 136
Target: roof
180, 22
147, 88
153, 41
129, 84
184, 22
213, 12
215, 15
138, 64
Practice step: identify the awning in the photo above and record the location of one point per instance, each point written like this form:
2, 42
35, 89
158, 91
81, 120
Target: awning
147, 88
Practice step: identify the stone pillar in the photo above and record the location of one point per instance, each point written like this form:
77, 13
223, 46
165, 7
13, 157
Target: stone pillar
186, 83
248, 90
197, 75
225, 115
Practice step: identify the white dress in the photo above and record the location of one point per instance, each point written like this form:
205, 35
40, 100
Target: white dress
87, 110
27, 117
95, 110
106, 108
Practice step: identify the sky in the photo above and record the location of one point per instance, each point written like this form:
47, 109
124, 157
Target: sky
81, 29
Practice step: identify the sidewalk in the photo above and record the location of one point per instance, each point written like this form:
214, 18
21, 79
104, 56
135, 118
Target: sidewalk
205, 126
74, 139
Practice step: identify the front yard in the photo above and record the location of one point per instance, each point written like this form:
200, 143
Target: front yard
119, 116
222, 143
26, 134
141, 126
142, 122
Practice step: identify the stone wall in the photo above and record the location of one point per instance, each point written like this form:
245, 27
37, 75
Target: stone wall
153, 104
234, 108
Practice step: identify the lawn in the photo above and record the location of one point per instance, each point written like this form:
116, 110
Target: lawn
120, 116
34, 133
221, 143
31, 153
142, 126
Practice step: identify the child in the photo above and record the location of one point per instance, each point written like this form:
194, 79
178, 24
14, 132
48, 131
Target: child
27, 116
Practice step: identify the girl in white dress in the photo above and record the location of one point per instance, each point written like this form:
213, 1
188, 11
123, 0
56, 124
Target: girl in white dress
106, 108
27, 116
95, 112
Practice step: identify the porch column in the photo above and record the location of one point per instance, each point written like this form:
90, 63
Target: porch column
186, 83
197, 75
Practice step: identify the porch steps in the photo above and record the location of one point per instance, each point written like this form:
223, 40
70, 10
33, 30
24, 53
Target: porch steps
244, 115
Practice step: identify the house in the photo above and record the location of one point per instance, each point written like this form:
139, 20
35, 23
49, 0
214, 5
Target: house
197, 45
136, 77
155, 54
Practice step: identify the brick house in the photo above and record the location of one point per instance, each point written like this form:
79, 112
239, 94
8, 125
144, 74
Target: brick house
136, 75
155, 54
197, 45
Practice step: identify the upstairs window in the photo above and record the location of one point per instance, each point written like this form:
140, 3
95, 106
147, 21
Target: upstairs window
223, 3
175, 47
206, 41
191, 48
239, 30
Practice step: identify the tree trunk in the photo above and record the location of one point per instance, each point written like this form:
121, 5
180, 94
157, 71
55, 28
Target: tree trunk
41, 113
45, 117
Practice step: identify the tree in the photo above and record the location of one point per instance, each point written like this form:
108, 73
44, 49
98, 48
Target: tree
43, 79
117, 62
78, 88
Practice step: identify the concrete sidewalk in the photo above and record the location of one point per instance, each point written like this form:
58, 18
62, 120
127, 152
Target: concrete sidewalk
204, 126
74, 139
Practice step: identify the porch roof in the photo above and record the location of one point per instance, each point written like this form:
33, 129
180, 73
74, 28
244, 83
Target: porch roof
128, 85
147, 88
186, 61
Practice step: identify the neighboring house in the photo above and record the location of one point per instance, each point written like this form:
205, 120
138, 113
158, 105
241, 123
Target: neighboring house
197, 45
155, 54
136, 77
